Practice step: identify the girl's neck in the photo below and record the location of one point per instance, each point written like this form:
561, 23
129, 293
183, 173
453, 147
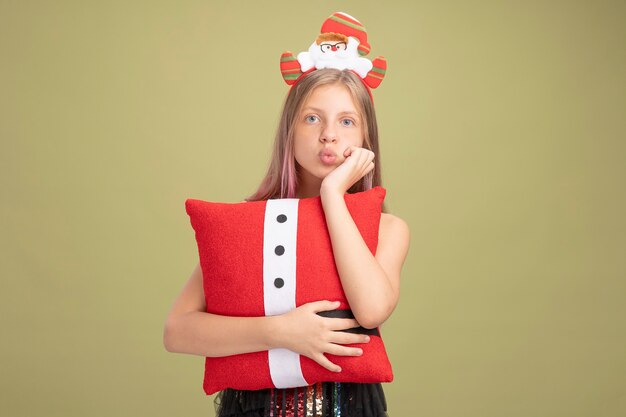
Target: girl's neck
308, 186
306, 192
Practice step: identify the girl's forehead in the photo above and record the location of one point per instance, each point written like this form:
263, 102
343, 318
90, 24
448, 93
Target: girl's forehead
330, 96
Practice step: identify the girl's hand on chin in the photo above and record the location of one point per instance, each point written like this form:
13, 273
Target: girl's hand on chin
358, 162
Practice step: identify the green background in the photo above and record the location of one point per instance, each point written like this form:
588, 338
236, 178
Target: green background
503, 146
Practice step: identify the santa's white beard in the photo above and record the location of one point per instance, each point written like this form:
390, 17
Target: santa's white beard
347, 59
330, 55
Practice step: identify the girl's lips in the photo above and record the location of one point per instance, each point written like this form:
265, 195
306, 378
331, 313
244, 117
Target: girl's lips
327, 157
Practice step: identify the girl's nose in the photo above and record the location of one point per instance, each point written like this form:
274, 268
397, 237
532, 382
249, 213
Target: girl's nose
328, 135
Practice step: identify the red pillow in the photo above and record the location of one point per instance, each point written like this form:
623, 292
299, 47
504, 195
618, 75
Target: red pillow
265, 258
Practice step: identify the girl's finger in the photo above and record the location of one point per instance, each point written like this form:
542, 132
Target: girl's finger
358, 155
324, 305
365, 157
346, 338
344, 350
323, 360
349, 151
342, 324
366, 169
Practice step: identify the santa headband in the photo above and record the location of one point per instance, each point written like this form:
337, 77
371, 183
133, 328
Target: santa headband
341, 44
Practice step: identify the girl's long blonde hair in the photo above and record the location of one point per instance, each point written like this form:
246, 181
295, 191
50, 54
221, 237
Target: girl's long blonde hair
281, 179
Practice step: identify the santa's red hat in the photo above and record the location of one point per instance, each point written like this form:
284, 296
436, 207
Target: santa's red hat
345, 24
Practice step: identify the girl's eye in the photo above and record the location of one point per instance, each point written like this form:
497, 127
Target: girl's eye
347, 122
311, 119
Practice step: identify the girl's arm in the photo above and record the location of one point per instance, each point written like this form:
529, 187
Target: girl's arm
371, 283
190, 329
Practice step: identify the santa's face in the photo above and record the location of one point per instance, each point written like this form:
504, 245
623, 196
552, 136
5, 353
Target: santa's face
334, 50
333, 46
327, 125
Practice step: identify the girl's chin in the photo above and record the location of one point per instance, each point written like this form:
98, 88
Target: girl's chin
319, 175
317, 172
327, 169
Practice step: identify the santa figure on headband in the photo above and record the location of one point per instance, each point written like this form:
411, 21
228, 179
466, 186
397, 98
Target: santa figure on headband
341, 44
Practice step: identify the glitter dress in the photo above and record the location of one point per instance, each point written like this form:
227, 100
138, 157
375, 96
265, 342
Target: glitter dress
323, 399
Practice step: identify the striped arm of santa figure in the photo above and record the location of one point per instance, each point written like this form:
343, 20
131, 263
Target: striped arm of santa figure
265, 258
376, 75
289, 67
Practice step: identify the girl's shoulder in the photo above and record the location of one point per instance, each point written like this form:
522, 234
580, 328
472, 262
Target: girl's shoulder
393, 226
393, 245
391, 220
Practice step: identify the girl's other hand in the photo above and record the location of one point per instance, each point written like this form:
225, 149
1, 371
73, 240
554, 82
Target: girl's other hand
358, 162
305, 332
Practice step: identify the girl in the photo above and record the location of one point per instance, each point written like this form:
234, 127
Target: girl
326, 145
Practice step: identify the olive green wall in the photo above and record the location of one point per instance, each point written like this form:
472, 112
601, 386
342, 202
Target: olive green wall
503, 146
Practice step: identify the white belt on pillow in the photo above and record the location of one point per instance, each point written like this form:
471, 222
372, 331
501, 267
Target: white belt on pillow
279, 283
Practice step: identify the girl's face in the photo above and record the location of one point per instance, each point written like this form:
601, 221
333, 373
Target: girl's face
327, 125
